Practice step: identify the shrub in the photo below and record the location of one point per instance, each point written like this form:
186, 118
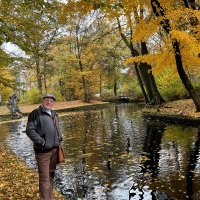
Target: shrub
31, 96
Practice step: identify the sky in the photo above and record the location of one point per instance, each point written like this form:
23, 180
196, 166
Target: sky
13, 50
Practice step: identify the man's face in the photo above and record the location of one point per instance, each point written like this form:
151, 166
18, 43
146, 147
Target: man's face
48, 103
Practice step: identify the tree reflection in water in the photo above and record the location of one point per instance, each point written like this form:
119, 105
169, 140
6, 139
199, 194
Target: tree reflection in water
150, 166
193, 157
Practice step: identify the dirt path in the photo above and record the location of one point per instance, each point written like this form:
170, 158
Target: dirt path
58, 106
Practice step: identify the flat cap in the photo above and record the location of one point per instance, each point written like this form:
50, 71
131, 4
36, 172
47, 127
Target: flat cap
49, 95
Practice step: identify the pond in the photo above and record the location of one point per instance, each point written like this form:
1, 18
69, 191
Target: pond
113, 153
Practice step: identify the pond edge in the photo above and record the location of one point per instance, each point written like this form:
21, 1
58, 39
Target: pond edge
173, 119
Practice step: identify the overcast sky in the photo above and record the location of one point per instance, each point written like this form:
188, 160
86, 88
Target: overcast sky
13, 50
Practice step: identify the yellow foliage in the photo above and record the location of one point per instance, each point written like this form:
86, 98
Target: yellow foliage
189, 46
144, 30
158, 60
17, 180
5, 92
71, 9
4, 73
182, 15
166, 77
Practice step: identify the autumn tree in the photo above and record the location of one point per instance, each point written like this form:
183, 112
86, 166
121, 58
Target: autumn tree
143, 70
114, 53
32, 26
6, 77
177, 22
128, 14
83, 57
87, 29
7, 81
179, 37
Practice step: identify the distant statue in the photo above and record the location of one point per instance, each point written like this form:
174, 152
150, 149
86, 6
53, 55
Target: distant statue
13, 107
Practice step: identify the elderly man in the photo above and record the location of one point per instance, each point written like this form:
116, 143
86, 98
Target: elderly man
43, 130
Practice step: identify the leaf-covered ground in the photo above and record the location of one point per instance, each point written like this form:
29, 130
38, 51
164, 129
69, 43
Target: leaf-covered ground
179, 108
17, 181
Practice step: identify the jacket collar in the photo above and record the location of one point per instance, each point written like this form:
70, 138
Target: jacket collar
44, 111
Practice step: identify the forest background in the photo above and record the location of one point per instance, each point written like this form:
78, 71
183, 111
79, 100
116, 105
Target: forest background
85, 49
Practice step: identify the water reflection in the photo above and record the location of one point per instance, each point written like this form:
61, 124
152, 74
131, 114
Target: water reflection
193, 157
114, 154
151, 148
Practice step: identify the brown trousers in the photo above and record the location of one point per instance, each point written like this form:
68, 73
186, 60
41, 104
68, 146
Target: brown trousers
46, 168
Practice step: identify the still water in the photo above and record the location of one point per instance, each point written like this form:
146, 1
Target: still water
114, 154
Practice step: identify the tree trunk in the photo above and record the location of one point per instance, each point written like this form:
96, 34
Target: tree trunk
159, 11
144, 73
141, 84
137, 68
146, 79
100, 86
157, 98
140, 76
115, 87
39, 77
183, 76
45, 73
85, 85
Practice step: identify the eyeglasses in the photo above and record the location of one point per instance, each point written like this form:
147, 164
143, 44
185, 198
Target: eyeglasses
49, 100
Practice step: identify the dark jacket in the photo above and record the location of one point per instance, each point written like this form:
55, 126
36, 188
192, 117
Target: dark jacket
43, 129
